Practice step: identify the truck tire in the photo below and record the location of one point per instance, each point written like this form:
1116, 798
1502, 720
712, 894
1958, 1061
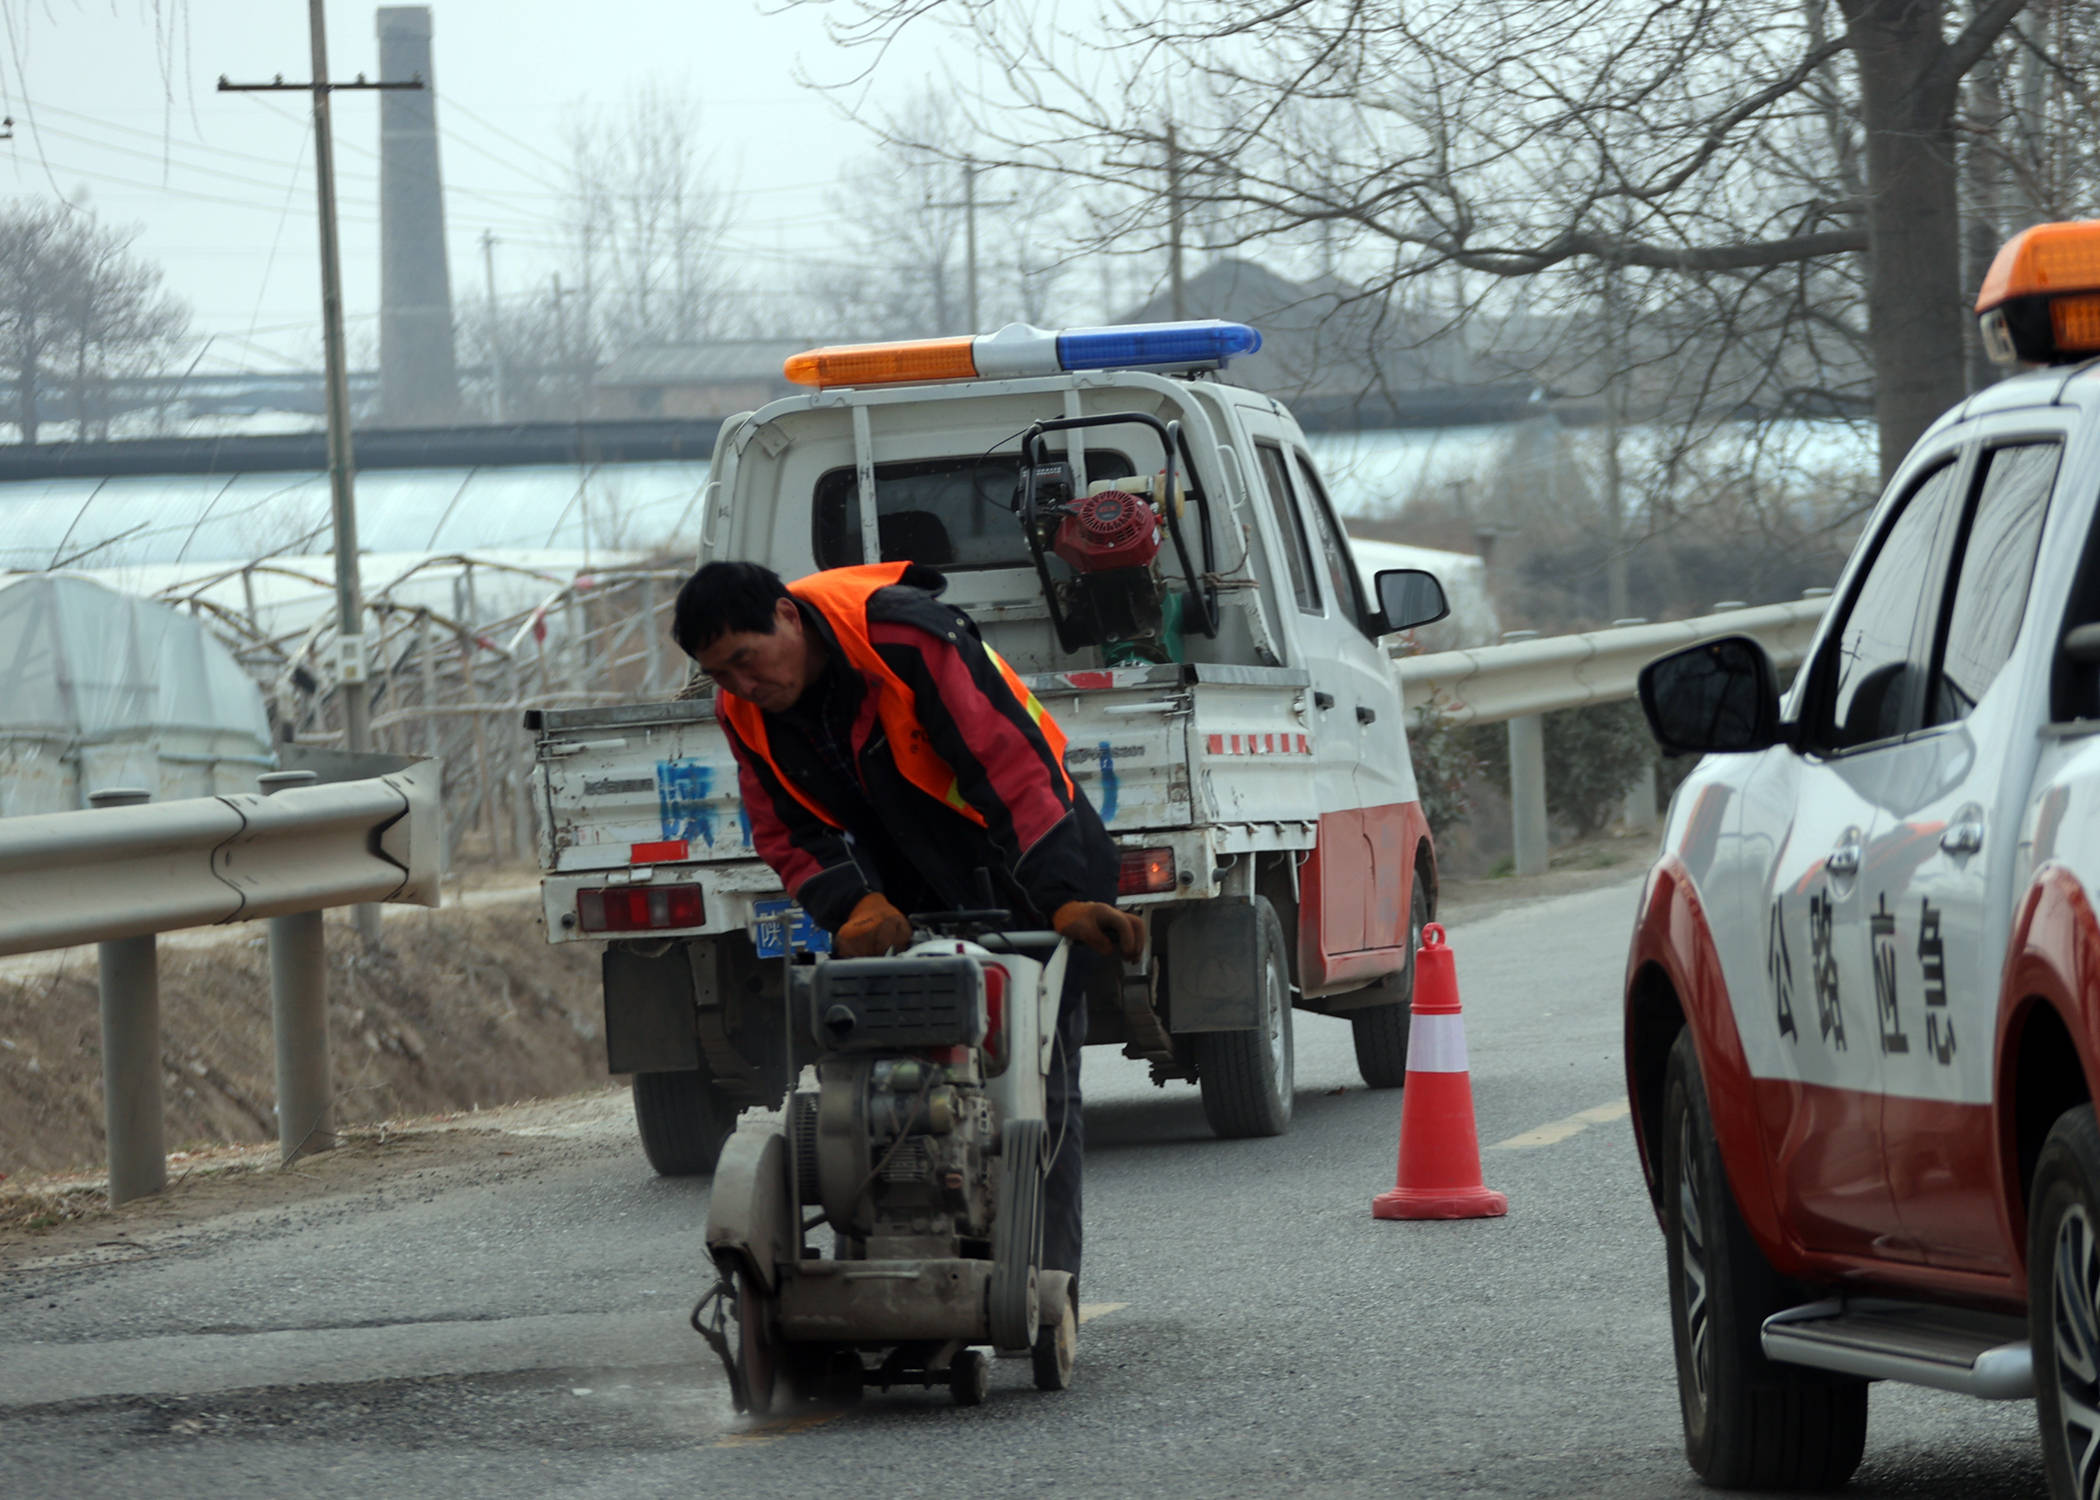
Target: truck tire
1748, 1423
1246, 1076
683, 1120
1381, 1030
2063, 1283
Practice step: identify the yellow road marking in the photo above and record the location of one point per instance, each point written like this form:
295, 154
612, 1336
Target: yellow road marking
1088, 1311
1556, 1131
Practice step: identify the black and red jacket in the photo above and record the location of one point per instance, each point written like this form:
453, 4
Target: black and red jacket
980, 786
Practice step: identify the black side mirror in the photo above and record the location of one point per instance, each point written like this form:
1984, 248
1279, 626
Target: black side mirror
1408, 597
1720, 696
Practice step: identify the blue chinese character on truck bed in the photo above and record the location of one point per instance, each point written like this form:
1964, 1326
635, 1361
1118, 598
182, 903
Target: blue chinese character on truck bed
682, 800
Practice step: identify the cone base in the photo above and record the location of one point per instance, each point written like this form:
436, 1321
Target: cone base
1446, 1203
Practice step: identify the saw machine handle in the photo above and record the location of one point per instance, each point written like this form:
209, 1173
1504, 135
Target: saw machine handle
1173, 442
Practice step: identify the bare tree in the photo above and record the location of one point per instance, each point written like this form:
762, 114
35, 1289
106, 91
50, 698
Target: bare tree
646, 226
1734, 144
78, 312
900, 264
516, 346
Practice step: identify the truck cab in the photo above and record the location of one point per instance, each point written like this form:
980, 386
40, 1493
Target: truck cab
1153, 552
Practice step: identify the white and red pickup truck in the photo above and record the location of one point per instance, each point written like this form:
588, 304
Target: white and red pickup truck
1154, 552
1863, 998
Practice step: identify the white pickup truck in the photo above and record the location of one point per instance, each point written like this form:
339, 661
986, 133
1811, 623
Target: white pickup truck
1154, 552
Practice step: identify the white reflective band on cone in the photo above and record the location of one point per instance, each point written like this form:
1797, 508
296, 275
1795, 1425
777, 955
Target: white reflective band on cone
1437, 1044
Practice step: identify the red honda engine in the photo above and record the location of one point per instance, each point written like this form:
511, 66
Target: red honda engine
1110, 529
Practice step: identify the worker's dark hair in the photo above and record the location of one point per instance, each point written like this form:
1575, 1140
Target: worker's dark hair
723, 598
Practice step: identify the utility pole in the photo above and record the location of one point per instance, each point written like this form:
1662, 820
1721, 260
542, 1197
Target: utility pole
488, 270
1174, 211
351, 660
561, 335
969, 175
969, 205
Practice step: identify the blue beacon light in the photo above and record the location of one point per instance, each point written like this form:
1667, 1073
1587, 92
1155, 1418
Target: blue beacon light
1192, 345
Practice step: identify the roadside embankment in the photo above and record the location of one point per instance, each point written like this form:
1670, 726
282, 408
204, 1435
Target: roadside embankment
455, 1009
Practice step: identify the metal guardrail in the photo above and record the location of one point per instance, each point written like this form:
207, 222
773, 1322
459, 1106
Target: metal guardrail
1491, 683
127, 870
1521, 680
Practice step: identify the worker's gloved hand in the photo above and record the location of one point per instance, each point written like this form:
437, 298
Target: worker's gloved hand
875, 928
1101, 927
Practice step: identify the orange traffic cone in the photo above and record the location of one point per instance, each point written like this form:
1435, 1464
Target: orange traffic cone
1439, 1175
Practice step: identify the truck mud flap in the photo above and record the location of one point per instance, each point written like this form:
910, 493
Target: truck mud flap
649, 1011
1214, 971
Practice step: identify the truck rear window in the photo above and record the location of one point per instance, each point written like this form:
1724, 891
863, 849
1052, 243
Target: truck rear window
945, 512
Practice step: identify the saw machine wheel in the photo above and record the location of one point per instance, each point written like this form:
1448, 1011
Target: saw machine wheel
1057, 1337
970, 1378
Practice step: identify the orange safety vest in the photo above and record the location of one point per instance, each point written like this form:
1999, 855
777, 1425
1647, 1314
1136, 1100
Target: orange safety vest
841, 596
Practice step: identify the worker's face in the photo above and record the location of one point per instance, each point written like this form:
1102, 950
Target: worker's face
767, 668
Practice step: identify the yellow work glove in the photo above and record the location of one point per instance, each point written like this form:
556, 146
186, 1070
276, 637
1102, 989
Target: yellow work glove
1101, 927
875, 928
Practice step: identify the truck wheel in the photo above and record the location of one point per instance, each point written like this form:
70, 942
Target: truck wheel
1748, 1423
1246, 1076
1381, 1030
683, 1120
2063, 1299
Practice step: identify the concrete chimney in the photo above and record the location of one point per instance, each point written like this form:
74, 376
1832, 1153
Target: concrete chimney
418, 379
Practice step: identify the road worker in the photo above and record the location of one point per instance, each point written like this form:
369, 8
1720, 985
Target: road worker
889, 761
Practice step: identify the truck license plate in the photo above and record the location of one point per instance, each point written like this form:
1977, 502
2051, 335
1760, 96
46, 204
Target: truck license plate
779, 925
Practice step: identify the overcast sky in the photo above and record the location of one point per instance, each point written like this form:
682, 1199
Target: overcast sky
115, 101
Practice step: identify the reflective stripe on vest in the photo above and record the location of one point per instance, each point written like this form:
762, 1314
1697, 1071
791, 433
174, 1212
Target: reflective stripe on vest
841, 596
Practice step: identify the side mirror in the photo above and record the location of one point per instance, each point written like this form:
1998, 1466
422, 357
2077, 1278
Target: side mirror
1720, 696
1408, 597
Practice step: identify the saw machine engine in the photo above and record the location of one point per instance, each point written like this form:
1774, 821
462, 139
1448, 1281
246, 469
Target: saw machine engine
897, 1146
924, 1149
1114, 593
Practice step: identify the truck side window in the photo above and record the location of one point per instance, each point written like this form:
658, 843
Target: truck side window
1997, 563
1283, 504
1348, 587
1874, 670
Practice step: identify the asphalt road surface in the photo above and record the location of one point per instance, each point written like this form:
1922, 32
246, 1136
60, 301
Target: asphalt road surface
515, 1325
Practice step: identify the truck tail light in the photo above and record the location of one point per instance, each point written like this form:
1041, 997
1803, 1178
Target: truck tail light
1145, 872
639, 908
995, 982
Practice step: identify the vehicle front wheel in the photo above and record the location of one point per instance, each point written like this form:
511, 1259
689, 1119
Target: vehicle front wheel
1381, 1031
683, 1120
1748, 1423
2063, 1303
1246, 1077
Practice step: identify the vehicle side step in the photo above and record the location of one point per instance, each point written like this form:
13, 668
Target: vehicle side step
1950, 1349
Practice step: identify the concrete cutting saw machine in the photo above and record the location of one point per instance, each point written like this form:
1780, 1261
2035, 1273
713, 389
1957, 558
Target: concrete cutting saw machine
924, 1149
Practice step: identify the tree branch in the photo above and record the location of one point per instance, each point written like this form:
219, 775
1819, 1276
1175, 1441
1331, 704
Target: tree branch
1943, 78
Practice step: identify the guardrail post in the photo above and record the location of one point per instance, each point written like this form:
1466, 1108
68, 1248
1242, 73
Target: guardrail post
1527, 792
131, 1067
299, 1018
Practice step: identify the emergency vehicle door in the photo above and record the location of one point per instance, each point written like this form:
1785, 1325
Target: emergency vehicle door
1384, 779
1813, 1044
1336, 884
1948, 838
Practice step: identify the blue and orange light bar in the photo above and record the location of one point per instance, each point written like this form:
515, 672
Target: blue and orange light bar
1019, 349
